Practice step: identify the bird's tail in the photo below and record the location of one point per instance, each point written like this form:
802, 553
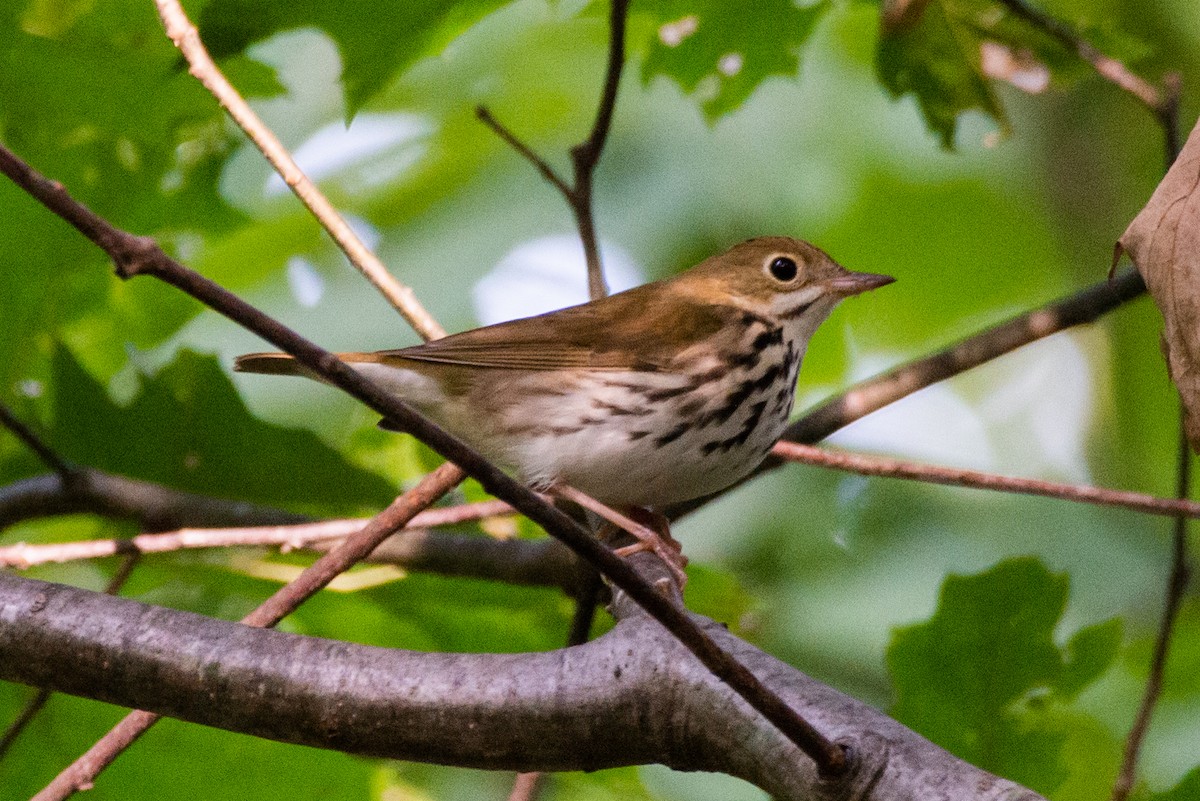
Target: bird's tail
269, 364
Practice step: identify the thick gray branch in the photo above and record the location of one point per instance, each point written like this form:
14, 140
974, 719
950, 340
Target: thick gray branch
155, 507
633, 696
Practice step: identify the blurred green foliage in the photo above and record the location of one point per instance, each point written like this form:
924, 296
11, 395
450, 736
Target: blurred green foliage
719, 134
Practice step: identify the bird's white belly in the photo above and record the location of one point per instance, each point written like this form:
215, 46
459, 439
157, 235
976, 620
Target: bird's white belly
647, 455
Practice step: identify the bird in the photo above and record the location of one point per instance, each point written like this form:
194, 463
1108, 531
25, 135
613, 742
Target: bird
660, 394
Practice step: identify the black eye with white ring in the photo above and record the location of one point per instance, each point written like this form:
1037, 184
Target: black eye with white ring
782, 269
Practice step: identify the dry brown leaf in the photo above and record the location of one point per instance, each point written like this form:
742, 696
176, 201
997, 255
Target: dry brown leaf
1164, 243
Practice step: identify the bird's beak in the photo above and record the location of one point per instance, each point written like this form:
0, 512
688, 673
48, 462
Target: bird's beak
848, 283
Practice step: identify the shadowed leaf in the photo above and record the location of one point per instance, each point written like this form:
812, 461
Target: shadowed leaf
376, 38
188, 428
984, 678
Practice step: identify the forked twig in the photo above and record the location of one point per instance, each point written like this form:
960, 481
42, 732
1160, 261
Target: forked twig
584, 156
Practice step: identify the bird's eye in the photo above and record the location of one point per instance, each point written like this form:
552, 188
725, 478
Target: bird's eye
782, 269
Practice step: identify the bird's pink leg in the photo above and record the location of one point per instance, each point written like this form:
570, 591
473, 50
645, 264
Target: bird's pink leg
658, 540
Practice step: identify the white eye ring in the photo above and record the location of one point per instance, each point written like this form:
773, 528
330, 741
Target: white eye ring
782, 268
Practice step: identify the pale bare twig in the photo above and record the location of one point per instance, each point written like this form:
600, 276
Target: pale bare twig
83, 772
527, 786
185, 36
960, 477
48, 455
301, 535
584, 156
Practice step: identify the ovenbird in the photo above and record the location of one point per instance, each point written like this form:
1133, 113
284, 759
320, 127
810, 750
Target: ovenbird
660, 394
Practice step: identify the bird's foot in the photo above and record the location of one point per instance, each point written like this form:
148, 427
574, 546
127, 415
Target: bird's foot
649, 528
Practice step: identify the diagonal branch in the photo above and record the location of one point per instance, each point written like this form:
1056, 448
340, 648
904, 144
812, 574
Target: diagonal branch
185, 36
1162, 103
82, 773
141, 256
585, 155
1084, 306
1109, 68
48, 455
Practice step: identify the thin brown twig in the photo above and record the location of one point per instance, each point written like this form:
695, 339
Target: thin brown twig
82, 773
865, 465
48, 455
1107, 67
585, 155
23, 555
1177, 581
187, 39
500, 129
1164, 105
136, 255
38, 701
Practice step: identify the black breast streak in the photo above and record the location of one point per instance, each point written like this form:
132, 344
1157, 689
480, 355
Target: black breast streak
665, 393
674, 434
741, 436
618, 409
732, 403
772, 336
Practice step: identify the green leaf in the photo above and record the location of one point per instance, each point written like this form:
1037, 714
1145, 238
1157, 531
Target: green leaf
188, 428
1188, 789
980, 678
929, 50
94, 96
933, 49
722, 52
377, 39
1089, 653
230, 767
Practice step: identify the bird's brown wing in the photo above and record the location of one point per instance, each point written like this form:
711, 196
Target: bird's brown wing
634, 330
